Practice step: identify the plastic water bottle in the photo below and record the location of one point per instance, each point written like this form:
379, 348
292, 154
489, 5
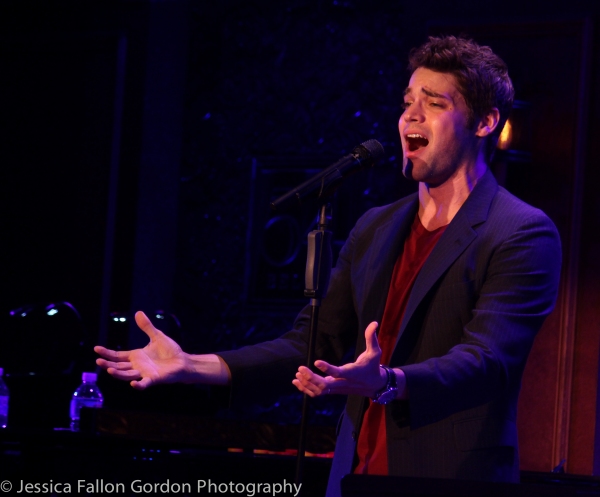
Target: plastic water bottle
87, 395
3, 401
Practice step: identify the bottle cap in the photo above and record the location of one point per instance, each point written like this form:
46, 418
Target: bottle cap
89, 377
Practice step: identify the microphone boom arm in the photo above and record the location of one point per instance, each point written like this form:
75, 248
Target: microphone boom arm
325, 182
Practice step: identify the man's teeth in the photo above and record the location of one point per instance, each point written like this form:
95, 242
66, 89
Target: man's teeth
414, 141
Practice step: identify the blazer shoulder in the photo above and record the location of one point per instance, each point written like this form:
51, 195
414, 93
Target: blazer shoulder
378, 216
509, 209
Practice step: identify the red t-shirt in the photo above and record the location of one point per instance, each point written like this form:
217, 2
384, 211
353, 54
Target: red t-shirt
372, 443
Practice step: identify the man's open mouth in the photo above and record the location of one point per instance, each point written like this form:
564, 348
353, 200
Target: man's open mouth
416, 141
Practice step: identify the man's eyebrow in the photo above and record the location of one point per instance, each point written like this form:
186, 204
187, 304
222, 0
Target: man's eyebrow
427, 92
433, 94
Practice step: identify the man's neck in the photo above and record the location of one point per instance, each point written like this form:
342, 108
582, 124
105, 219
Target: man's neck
439, 204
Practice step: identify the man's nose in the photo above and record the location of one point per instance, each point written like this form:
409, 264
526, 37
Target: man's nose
413, 113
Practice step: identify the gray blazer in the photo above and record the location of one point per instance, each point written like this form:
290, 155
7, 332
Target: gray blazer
469, 325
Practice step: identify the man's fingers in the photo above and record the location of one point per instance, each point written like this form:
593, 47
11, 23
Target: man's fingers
300, 386
310, 380
111, 355
305, 386
133, 376
314, 385
307, 375
130, 374
141, 384
122, 366
146, 325
309, 388
327, 368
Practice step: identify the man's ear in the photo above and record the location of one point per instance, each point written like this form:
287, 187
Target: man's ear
487, 124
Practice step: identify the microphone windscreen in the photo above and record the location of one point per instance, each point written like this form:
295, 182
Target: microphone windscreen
371, 149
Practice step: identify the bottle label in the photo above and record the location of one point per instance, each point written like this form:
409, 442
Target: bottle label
3, 405
77, 404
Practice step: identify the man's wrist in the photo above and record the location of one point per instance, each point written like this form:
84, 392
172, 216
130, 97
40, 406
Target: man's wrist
208, 369
402, 393
389, 390
383, 379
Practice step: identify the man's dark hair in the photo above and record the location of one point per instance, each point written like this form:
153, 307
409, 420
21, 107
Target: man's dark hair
481, 75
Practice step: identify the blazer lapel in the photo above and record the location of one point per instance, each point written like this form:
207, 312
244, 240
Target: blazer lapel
459, 234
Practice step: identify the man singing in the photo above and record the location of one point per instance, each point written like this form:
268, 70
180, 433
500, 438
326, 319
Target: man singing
460, 276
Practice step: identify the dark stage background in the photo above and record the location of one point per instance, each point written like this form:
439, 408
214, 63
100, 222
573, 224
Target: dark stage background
143, 140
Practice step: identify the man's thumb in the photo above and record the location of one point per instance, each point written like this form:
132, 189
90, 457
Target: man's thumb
371, 336
145, 324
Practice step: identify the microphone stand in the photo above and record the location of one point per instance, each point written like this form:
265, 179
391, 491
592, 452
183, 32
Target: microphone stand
318, 259
318, 271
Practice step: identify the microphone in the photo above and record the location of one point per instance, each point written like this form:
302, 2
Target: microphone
324, 183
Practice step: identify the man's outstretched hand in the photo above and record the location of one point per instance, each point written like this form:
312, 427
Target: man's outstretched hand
161, 361
362, 377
